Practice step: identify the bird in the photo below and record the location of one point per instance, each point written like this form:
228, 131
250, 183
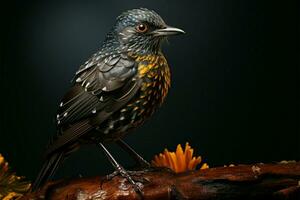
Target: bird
115, 91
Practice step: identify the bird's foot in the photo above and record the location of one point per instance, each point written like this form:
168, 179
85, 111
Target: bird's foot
133, 177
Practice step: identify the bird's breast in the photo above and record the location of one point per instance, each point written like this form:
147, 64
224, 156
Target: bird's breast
154, 72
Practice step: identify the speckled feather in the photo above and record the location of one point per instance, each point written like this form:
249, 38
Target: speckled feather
155, 75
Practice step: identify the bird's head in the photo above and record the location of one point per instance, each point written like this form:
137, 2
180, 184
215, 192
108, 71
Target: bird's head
141, 31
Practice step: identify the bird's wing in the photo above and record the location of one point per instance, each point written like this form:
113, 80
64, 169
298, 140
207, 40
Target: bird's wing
97, 85
101, 87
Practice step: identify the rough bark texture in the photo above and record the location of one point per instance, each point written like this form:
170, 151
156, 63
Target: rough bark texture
259, 181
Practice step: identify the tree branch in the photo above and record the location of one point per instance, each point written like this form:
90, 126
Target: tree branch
259, 181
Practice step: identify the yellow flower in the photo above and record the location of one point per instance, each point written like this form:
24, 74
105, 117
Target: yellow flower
179, 161
1, 159
11, 185
11, 195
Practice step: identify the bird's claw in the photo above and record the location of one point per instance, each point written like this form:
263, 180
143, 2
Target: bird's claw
133, 177
125, 173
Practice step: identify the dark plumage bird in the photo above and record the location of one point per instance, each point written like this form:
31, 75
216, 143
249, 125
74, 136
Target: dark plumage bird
115, 91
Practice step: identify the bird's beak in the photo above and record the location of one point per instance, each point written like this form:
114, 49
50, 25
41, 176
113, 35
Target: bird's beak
168, 30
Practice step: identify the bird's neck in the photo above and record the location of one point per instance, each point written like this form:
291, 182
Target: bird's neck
113, 45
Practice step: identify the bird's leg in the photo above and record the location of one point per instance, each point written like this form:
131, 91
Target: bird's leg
139, 159
119, 169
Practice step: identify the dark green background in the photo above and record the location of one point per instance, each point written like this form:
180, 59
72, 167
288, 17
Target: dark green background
234, 96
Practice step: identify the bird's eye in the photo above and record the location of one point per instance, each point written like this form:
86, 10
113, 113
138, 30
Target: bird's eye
142, 28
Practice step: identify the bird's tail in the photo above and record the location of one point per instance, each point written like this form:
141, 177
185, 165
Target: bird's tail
50, 166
